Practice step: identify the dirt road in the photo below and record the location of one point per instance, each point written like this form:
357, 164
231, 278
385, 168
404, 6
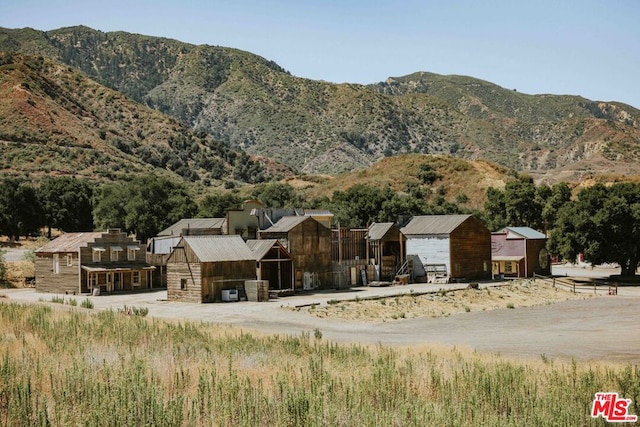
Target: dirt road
603, 328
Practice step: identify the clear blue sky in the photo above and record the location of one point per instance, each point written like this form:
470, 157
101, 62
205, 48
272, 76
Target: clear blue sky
589, 47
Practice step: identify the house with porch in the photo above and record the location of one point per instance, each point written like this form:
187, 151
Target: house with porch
108, 261
519, 252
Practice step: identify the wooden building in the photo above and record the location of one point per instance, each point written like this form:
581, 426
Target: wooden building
386, 249
519, 252
196, 227
201, 267
158, 251
76, 263
274, 263
309, 243
460, 244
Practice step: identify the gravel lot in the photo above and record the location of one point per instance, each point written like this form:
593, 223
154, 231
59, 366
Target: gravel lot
604, 328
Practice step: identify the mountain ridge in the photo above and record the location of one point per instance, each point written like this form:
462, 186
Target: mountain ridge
251, 103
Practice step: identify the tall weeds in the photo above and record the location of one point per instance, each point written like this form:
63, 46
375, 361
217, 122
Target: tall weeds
61, 367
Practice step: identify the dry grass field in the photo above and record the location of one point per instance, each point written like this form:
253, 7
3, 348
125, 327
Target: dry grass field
442, 304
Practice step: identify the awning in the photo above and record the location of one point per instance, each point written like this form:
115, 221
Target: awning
117, 269
98, 249
116, 248
133, 247
507, 258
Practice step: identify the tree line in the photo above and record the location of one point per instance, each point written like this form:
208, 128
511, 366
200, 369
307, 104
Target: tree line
602, 222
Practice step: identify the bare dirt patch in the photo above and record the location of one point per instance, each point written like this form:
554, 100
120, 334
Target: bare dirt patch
446, 303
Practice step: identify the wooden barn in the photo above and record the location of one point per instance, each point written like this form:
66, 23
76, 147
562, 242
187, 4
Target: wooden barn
201, 267
309, 243
274, 263
519, 252
460, 244
76, 263
386, 248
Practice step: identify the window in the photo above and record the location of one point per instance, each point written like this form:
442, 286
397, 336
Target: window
131, 252
183, 284
97, 254
115, 253
135, 278
508, 267
69, 260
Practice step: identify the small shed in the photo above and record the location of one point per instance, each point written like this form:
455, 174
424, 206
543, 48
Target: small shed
386, 248
460, 244
309, 243
201, 267
519, 252
274, 263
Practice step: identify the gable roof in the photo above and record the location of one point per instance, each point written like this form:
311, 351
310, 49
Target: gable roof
433, 224
69, 242
378, 230
219, 248
196, 223
522, 233
261, 248
287, 223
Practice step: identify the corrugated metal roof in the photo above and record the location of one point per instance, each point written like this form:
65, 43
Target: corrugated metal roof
317, 212
219, 248
261, 248
523, 232
202, 223
286, 224
377, 230
69, 242
433, 224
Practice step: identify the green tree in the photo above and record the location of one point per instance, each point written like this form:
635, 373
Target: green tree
276, 195
143, 206
359, 205
19, 209
216, 205
557, 196
604, 224
66, 204
522, 205
494, 209
401, 207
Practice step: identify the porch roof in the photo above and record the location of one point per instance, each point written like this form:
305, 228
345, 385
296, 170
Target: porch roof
117, 268
508, 258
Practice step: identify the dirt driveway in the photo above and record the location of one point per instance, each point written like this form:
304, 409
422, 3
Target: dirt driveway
603, 328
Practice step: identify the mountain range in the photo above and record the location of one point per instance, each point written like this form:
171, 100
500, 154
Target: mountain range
195, 110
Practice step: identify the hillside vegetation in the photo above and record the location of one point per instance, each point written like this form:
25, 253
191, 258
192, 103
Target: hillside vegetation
252, 103
55, 120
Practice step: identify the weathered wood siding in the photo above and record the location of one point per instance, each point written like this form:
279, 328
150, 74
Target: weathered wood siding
309, 244
65, 281
204, 281
534, 247
470, 251
191, 273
